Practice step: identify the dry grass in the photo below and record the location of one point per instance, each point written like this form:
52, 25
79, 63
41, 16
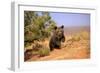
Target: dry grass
76, 46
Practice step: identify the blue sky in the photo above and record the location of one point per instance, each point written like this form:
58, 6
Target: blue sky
71, 19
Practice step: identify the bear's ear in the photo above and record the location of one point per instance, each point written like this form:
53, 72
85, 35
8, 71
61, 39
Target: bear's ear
62, 26
55, 27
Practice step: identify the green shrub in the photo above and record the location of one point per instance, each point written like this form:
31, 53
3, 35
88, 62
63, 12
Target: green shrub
44, 51
37, 26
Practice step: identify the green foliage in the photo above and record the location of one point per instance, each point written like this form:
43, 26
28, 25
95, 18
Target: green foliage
44, 51
37, 26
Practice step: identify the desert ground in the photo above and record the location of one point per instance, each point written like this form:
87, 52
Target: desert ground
76, 46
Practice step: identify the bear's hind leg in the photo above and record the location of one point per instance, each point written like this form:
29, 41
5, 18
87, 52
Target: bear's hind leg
51, 47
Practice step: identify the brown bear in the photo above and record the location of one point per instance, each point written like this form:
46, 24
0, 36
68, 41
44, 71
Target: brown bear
56, 38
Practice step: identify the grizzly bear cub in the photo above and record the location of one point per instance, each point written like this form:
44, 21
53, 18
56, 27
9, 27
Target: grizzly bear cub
56, 38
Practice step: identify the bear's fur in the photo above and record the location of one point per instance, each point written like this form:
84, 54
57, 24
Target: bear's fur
57, 37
